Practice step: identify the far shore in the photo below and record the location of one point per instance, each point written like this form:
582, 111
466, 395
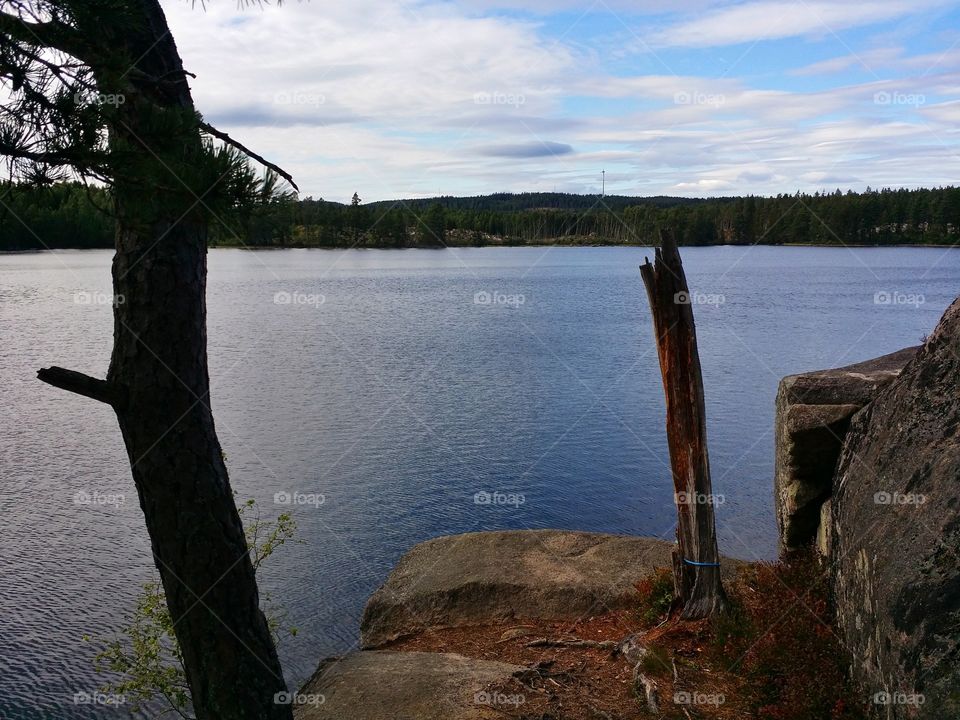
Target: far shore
293, 246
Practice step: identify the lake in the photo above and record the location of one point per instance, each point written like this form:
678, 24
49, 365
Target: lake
395, 386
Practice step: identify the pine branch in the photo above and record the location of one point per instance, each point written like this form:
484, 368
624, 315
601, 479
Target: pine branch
50, 158
209, 129
51, 34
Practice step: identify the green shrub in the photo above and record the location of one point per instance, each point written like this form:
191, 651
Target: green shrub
656, 596
145, 658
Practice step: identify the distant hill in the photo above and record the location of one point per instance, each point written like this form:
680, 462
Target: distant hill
512, 202
70, 215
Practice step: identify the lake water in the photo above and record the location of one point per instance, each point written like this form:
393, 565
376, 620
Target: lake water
390, 385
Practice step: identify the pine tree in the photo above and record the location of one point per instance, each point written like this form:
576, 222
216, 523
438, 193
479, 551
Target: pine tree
97, 89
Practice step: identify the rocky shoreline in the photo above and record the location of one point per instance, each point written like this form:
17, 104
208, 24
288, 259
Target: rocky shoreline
854, 445
475, 579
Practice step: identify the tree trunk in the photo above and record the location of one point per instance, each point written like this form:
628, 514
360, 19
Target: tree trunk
696, 560
159, 386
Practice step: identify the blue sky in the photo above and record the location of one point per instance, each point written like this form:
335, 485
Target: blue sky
700, 98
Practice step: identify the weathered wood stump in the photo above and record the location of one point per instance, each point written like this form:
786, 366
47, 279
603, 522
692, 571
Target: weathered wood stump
696, 560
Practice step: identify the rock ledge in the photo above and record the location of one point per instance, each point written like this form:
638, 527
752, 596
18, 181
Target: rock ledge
480, 577
813, 415
401, 686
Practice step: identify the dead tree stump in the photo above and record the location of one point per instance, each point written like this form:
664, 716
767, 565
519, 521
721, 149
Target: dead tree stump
696, 560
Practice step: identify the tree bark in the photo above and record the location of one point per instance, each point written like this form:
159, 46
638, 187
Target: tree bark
158, 379
696, 560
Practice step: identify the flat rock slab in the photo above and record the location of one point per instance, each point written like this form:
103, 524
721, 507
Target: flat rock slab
482, 577
373, 685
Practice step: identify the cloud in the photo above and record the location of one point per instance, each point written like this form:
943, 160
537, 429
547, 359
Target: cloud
702, 186
633, 7
267, 116
777, 19
893, 58
753, 176
869, 60
537, 149
421, 97
948, 112
513, 123
822, 178
398, 62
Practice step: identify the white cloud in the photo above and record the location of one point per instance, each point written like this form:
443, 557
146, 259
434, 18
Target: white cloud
870, 60
776, 19
312, 74
948, 112
884, 60
420, 98
704, 186
645, 7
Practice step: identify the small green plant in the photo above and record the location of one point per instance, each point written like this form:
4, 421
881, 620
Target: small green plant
656, 661
145, 658
656, 596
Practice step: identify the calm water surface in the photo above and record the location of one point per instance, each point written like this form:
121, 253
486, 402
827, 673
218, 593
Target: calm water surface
400, 397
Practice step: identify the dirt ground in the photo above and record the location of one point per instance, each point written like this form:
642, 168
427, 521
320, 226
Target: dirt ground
590, 683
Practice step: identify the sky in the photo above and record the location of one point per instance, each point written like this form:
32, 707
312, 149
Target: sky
700, 98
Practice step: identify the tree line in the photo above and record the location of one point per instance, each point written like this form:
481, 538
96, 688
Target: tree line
72, 215
61, 215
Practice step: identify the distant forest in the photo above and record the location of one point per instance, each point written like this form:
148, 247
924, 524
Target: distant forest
71, 215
